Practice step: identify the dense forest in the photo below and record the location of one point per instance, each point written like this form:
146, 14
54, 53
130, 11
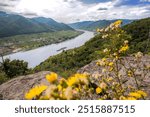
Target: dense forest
140, 32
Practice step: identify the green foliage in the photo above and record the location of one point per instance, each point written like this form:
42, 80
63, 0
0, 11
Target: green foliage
3, 77
140, 32
14, 68
69, 61
11, 24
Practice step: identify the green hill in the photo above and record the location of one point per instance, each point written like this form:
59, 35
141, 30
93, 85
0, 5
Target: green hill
52, 24
69, 61
11, 24
140, 32
93, 25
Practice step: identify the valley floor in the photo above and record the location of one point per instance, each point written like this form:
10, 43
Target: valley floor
26, 42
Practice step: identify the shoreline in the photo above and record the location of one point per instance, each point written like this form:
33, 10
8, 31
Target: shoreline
16, 50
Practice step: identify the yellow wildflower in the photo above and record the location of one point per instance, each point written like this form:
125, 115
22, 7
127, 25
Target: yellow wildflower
34, 92
124, 48
80, 75
103, 59
130, 74
98, 90
51, 77
131, 98
135, 94
142, 93
122, 98
44, 98
59, 87
117, 23
71, 81
111, 64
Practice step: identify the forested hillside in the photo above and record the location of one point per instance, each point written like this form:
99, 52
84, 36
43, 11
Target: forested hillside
12, 24
140, 32
69, 61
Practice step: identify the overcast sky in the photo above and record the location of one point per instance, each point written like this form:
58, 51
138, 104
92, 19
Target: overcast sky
69, 11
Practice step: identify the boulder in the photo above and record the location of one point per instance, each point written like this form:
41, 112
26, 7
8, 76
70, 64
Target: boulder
16, 88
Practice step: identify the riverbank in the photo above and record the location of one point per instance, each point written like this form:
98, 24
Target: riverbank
36, 56
26, 42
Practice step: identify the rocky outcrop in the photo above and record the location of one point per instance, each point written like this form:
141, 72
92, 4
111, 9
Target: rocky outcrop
141, 74
17, 87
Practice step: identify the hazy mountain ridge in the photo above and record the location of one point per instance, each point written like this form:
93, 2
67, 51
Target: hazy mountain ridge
51, 23
93, 25
11, 24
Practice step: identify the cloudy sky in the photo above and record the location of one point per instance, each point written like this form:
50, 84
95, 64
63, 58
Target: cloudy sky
69, 11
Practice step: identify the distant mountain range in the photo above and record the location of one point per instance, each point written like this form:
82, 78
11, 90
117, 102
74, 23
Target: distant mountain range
93, 25
11, 24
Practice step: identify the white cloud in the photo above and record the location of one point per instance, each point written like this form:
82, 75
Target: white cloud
72, 10
144, 0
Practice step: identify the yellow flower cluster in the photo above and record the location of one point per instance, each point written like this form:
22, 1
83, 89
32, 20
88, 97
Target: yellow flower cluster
51, 77
130, 73
134, 95
124, 48
117, 23
138, 94
98, 90
35, 92
112, 26
59, 88
76, 79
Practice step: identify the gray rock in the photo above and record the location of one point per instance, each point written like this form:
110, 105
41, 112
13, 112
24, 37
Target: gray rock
142, 75
16, 88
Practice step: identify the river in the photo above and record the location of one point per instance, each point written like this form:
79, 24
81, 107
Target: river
36, 56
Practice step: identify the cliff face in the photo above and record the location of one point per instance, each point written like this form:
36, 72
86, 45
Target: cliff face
16, 88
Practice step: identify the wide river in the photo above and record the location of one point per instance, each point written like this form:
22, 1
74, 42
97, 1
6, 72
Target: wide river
36, 56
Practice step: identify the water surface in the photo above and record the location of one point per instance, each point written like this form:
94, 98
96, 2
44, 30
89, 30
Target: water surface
36, 56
